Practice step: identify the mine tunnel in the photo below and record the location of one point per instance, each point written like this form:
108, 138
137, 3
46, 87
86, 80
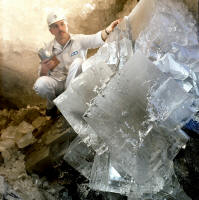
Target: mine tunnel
127, 128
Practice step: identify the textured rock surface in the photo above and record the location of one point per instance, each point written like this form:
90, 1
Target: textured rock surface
193, 6
18, 154
41, 138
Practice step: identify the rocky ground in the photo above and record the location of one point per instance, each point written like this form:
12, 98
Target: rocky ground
31, 165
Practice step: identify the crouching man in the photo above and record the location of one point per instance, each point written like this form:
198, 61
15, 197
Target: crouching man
65, 56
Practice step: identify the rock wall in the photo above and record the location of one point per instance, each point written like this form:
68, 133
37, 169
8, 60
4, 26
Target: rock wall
23, 31
193, 6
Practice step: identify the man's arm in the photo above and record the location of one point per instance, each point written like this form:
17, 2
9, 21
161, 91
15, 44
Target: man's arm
109, 29
96, 40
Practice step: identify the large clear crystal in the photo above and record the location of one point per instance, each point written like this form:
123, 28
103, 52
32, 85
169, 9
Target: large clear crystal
80, 157
173, 49
120, 114
135, 132
105, 177
75, 100
171, 24
168, 108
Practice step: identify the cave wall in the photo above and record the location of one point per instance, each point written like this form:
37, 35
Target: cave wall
193, 7
24, 30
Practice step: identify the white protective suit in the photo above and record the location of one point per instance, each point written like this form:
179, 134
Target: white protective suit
71, 57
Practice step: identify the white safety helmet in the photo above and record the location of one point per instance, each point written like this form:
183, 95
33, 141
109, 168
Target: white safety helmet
55, 17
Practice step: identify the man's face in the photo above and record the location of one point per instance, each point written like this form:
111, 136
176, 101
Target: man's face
59, 29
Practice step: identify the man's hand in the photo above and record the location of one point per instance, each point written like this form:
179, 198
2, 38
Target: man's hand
47, 65
110, 28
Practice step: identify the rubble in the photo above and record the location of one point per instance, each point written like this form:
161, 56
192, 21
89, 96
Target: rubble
20, 155
14, 172
50, 147
6, 192
39, 122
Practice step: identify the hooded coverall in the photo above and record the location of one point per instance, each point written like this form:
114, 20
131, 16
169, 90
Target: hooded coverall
70, 57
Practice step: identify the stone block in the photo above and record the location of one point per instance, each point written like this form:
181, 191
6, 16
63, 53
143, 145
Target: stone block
39, 121
25, 140
9, 133
51, 147
38, 160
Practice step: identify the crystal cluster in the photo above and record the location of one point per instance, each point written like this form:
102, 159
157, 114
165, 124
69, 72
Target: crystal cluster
21, 135
130, 107
174, 50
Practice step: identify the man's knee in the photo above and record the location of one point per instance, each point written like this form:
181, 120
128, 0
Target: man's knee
41, 86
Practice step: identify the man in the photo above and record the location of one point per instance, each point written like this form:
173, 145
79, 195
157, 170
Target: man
67, 52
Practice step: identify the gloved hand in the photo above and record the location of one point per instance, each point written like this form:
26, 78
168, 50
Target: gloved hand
111, 27
48, 64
